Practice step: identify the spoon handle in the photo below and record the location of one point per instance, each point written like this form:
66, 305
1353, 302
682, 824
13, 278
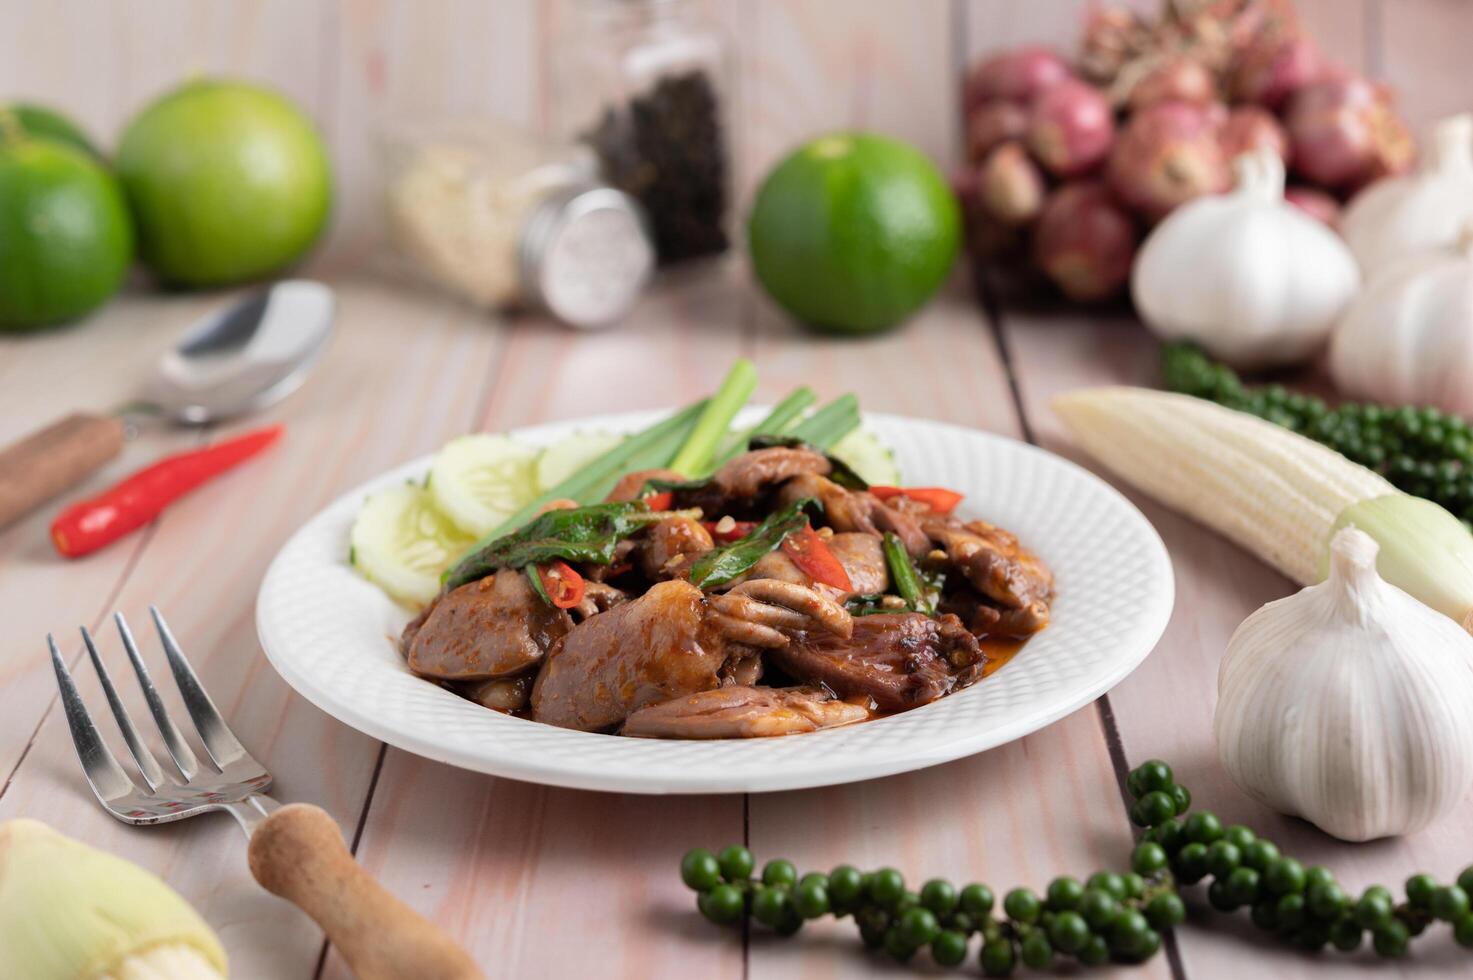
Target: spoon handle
55, 459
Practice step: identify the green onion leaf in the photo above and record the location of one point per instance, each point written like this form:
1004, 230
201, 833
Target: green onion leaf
696, 456
903, 573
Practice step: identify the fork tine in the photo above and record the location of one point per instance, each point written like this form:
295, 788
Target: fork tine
104, 775
219, 740
179, 749
147, 764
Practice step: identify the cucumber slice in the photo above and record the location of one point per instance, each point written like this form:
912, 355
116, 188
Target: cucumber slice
570, 454
479, 481
868, 457
401, 542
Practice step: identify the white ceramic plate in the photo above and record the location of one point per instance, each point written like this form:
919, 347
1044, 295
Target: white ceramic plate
332, 636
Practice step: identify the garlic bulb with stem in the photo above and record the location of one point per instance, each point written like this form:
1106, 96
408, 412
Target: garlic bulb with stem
72, 912
1427, 209
1349, 704
1246, 275
1408, 337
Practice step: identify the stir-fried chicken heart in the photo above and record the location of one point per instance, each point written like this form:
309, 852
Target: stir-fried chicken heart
743, 712
748, 473
985, 618
494, 627
671, 641
899, 660
630, 484
863, 560
857, 510
670, 546
505, 694
994, 562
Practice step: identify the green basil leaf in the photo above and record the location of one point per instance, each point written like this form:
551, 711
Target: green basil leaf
722, 565
581, 534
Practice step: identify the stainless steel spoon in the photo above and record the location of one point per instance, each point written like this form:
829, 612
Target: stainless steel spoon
233, 361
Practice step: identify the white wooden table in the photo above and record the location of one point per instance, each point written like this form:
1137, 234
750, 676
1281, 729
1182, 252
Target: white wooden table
544, 882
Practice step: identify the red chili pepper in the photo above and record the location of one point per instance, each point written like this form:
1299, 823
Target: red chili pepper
939, 499
90, 524
563, 585
815, 559
737, 531
660, 501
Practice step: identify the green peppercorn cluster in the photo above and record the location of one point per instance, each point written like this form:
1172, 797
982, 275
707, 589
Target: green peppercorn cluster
1107, 918
1421, 451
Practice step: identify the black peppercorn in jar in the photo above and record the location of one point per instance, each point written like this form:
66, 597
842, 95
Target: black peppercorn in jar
647, 84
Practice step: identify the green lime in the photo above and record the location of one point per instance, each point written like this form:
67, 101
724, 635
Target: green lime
44, 123
853, 232
65, 238
228, 182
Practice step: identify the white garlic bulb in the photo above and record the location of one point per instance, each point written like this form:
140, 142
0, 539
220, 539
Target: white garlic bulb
1408, 337
1403, 215
1249, 276
1349, 704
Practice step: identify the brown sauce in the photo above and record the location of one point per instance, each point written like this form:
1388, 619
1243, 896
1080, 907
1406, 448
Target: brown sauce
999, 650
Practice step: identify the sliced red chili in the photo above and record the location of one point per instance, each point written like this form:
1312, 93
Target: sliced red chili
815, 559
660, 501
563, 585
90, 524
939, 499
735, 530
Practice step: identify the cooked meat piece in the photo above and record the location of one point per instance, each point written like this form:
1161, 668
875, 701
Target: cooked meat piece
490, 628
666, 543
984, 618
653, 648
598, 597
743, 666
750, 472
900, 660
777, 565
743, 712
630, 484
993, 561
857, 510
505, 694
863, 559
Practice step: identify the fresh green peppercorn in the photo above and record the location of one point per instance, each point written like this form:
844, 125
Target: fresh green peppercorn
1134, 885
1190, 863
846, 886
1182, 797
1345, 935
778, 873
1374, 909
1465, 880
939, 895
1243, 886
919, 926
1318, 874
1223, 858
1068, 932
1150, 775
811, 897
1325, 901
791, 922
1165, 910
908, 900
1148, 858
700, 870
874, 923
736, 863
1391, 939
1463, 931
1416, 921
1170, 835
1265, 914
1128, 932
1095, 952
1311, 937
998, 957
1037, 952
949, 948
1153, 809
1108, 882
1291, 912
976, 900
1239, 836
1022, 905
1420, 889
1064, 893
1203, 827
1259, 854
960, 922
722, 905
1449, 904
887, 888
1283, 875
770, 905
897, 946
1098, 907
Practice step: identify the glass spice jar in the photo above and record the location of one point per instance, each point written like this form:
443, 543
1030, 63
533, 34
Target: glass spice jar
648, 85
505, 220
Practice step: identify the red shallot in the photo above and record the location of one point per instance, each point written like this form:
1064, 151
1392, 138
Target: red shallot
1085, 242
1167, 154
991, 124
1180, 79
1344, 133
1070, 128
1250, 127
1010, 186
1273, 67
1019, 75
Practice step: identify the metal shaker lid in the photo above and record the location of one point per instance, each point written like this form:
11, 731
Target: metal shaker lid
585, 255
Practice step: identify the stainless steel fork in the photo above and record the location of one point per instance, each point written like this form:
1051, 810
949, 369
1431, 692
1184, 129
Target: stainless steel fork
295, 850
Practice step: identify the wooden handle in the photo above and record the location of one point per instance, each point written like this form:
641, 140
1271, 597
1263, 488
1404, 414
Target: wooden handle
55, 459
297, 853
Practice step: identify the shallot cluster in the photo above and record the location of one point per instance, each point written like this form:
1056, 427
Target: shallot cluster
1071, 161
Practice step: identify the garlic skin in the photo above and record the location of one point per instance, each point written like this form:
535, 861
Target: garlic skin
1408, 337
1349, 704
1246, 275
1428, 209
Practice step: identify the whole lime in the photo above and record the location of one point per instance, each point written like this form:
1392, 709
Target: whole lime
228, 182
853, 232
65, 236
43, 122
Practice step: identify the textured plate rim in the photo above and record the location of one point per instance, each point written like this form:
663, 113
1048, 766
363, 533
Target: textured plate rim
1153, 612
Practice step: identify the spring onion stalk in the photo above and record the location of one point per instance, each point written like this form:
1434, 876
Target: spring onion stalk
72, 911
695, 457
775, 423
903, 573
831, 423
649, 448
1425, 550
